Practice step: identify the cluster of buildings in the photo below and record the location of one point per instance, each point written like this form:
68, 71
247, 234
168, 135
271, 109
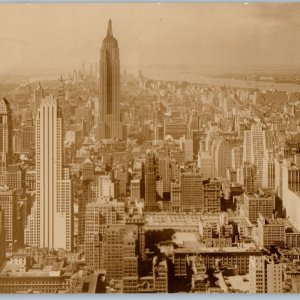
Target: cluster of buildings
148, 186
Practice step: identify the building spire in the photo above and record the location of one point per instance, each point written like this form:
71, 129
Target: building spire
109, 28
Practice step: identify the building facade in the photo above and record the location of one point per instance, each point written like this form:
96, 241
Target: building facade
6, 135
265, 275
50, 224
110, 125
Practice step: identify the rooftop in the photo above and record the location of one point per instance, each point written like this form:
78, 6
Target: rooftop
181, 238
278, 221
199, 248
13, 270
239, 283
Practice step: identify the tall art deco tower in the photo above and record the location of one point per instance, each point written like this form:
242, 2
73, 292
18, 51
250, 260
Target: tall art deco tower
50, 223
110, 126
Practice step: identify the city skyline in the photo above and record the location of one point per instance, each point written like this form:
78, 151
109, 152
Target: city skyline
115, 180
210, 37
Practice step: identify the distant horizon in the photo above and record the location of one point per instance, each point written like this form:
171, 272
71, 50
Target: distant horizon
216, 37
200, 70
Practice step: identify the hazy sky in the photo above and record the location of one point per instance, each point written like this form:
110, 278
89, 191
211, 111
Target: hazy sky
36, 37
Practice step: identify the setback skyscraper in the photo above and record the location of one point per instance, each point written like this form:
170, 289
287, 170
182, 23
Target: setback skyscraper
50, 223
110, 126
6, 131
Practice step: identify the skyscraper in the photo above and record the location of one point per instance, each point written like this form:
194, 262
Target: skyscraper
130, 261
6, 132
265, 275
192, 194
258, 150
27, 136
8, 204
2, 238
160, 275
110, 126
254, 150
150, 183
255, 204
222, 155
212, 195
39, 94
135, 190
206, 164
119, 257
50, 223
164, 170
175, 196
268, 170
98, 216
247, 177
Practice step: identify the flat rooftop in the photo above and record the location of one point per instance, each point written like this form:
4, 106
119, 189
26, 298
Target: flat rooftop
239, 283
172, 219
154, 219
200, 248
14, 270
181, 238
278, 221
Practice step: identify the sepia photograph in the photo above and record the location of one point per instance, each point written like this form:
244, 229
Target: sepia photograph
150, 148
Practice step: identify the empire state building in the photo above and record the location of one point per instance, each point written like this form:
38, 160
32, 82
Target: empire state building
110, 126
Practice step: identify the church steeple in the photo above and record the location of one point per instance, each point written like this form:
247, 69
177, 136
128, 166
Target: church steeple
109, 28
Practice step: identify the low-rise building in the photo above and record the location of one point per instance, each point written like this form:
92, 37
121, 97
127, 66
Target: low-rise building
270, 231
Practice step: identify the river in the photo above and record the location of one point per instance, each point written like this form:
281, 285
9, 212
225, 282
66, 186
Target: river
220, 81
